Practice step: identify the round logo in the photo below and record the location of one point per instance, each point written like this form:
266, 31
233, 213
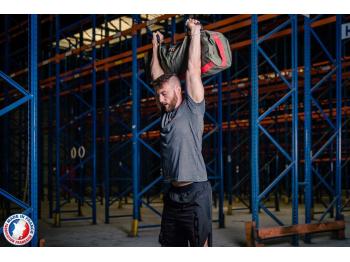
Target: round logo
19, 229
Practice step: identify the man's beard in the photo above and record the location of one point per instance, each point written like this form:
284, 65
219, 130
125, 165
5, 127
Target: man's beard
170, 106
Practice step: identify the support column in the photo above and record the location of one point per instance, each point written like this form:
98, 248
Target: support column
34, 124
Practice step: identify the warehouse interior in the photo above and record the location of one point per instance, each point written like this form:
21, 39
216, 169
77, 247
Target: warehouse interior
80, 134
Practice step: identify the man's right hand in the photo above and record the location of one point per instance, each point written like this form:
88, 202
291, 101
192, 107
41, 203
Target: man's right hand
193, 25
155, 39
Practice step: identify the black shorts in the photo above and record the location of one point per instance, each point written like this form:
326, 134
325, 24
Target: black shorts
187, 216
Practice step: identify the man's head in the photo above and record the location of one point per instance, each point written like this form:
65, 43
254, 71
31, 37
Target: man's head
168, 92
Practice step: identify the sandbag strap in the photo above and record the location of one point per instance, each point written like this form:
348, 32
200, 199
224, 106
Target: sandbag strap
220, 46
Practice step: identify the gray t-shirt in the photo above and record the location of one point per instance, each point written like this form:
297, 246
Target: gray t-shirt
181, 142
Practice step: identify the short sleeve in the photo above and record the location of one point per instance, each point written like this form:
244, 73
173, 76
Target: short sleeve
196, 108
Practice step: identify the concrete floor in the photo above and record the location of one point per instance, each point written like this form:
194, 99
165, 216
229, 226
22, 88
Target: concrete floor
115, 234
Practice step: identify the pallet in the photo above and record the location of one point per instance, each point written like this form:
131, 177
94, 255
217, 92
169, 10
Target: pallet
254, 236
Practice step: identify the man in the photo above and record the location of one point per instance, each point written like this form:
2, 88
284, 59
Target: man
186, 215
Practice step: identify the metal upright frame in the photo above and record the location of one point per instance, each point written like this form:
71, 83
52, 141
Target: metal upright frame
138, 192
50, 135
135, 142
258, 194
120, 174
6, 135
312, 174
30, 97
346, 130
214, 156
62, 178
238, 177
106, 168
220, 175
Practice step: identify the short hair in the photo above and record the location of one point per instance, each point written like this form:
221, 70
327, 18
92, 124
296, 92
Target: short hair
164, 78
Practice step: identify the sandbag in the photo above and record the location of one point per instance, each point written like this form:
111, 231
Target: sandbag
215, 55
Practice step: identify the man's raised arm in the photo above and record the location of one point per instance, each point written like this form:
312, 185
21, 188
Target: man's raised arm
156, 69
194, 83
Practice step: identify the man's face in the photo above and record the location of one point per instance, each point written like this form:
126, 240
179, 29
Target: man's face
166, 97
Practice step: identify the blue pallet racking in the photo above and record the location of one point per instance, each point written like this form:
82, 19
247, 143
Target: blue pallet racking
29, 97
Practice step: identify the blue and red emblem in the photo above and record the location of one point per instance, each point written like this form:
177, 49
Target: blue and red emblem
19, 229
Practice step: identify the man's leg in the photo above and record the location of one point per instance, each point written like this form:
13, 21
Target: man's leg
171, 235
201, 228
